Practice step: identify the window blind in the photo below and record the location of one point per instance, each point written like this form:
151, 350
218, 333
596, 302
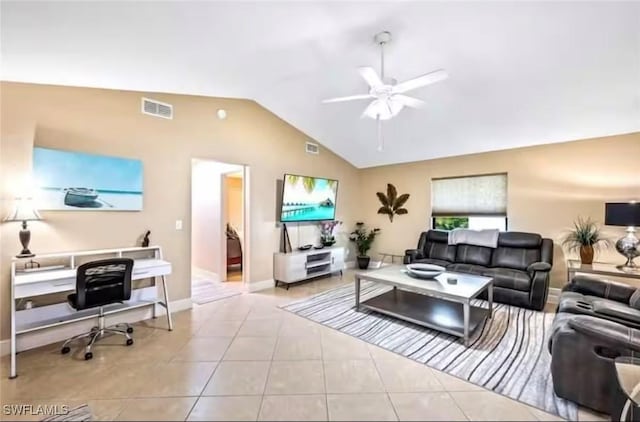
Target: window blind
484, 195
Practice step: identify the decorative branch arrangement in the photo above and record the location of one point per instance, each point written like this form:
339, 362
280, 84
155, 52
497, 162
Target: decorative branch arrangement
392, 204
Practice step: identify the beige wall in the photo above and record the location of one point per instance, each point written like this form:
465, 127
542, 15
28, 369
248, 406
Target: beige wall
548, 187
234, 202
110, 122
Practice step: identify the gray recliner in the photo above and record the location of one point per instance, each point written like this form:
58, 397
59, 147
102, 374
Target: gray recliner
596, 323
583, 349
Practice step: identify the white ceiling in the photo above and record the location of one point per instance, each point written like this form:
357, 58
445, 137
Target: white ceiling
520, 73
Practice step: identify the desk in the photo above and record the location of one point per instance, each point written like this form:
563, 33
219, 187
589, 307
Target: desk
61, 278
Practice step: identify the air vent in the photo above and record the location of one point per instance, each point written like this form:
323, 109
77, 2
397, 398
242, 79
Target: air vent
157, 108
312, 148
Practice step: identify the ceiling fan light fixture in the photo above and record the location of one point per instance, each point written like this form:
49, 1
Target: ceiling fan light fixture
385, 109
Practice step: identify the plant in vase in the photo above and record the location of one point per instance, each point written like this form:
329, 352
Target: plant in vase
327, 238
363, 239
585, 237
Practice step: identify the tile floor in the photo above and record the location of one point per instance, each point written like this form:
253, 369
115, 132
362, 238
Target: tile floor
243, 358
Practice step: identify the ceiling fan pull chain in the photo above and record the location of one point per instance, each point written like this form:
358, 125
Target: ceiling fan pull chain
380, 137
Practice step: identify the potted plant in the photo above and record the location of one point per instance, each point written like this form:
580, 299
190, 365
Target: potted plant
363, 239
327, 237
585, 237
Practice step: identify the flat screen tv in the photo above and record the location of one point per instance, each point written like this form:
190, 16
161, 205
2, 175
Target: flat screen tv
308, 199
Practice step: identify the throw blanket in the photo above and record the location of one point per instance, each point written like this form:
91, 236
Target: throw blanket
487, 238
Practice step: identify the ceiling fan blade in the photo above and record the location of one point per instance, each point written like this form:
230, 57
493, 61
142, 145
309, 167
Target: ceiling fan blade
370, 76
408, 101
420, 81
349, 98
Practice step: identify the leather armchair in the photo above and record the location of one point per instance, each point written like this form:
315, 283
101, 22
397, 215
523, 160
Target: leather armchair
583, 350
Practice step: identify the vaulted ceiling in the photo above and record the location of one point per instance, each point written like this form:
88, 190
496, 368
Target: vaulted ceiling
521, 73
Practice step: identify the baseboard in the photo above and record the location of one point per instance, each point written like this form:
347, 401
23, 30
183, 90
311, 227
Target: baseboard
260, 285
554, 295
373, 265
53, 335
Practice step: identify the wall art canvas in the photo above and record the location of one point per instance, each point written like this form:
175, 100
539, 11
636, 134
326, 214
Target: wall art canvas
68, 180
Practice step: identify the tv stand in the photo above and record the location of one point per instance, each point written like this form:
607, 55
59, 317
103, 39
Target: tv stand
304, 265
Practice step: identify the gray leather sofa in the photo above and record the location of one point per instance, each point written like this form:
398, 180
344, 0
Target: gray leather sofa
597, 321
520, 264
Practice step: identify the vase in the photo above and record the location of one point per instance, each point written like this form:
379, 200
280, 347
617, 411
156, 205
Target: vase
586, 254
363, 262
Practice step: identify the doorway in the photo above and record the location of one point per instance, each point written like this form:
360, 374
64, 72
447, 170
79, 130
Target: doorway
219, 212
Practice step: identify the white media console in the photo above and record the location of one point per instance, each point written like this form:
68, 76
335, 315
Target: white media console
303, 265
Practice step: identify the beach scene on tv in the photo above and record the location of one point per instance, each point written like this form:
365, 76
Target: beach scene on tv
308, 199
70, 180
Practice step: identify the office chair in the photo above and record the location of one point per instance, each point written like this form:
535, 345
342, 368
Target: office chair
100, 283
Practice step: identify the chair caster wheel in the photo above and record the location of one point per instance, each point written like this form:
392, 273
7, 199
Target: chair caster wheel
65, 350
129, 341
88, 356
129, 330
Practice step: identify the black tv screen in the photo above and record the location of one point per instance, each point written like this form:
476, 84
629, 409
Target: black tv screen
307, 198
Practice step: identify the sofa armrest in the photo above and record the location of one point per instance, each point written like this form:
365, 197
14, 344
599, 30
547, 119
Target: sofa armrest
539, 266
411, 255
602, 288
612, 334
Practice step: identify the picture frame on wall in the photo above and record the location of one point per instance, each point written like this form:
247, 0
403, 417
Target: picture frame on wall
77, 181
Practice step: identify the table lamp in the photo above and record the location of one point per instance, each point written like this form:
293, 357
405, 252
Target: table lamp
24, 211
625, 214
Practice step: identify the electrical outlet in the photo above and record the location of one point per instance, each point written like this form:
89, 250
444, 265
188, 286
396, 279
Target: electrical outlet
178, 224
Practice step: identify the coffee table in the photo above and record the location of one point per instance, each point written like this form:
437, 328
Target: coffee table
432, 303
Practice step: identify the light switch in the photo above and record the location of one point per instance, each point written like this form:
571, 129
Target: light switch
178, 224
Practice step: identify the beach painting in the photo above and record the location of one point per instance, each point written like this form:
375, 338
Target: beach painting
68, 180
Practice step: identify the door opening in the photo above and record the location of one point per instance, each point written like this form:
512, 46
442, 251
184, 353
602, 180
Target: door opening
219, 215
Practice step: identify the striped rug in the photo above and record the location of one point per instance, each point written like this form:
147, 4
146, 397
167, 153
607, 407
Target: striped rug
507, 355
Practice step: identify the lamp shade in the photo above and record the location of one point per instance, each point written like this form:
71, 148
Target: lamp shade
24, 211
622, 214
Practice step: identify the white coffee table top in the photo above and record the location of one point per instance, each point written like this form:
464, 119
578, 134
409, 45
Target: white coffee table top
467, 287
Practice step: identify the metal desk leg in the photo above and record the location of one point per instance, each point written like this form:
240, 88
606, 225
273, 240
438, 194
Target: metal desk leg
490, 297
465, 310
357, 293
166, 303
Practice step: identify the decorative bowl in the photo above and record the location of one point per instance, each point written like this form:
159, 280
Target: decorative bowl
425, 270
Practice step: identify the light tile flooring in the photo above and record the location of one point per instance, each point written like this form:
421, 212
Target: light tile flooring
243, 358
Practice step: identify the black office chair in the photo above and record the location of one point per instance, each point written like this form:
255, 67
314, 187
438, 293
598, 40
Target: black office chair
101, 283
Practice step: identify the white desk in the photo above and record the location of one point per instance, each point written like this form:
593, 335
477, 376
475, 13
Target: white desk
148, 263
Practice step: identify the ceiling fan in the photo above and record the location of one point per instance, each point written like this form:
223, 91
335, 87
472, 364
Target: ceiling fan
388, 94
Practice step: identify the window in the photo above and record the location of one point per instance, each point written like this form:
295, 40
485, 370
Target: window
473, 202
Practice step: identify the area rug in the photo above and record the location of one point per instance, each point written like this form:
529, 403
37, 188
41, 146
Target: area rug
507, 355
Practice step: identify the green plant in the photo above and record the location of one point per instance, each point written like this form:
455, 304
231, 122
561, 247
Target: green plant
392, 203
450, 223
585, 232
363, 238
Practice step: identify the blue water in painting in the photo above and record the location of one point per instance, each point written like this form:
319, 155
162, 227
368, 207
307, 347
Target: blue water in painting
307, 214
63, 169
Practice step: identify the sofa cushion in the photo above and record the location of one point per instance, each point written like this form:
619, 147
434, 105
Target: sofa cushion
433, 262
471, 254
466, 268
516, 258
519, 240
509, 278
